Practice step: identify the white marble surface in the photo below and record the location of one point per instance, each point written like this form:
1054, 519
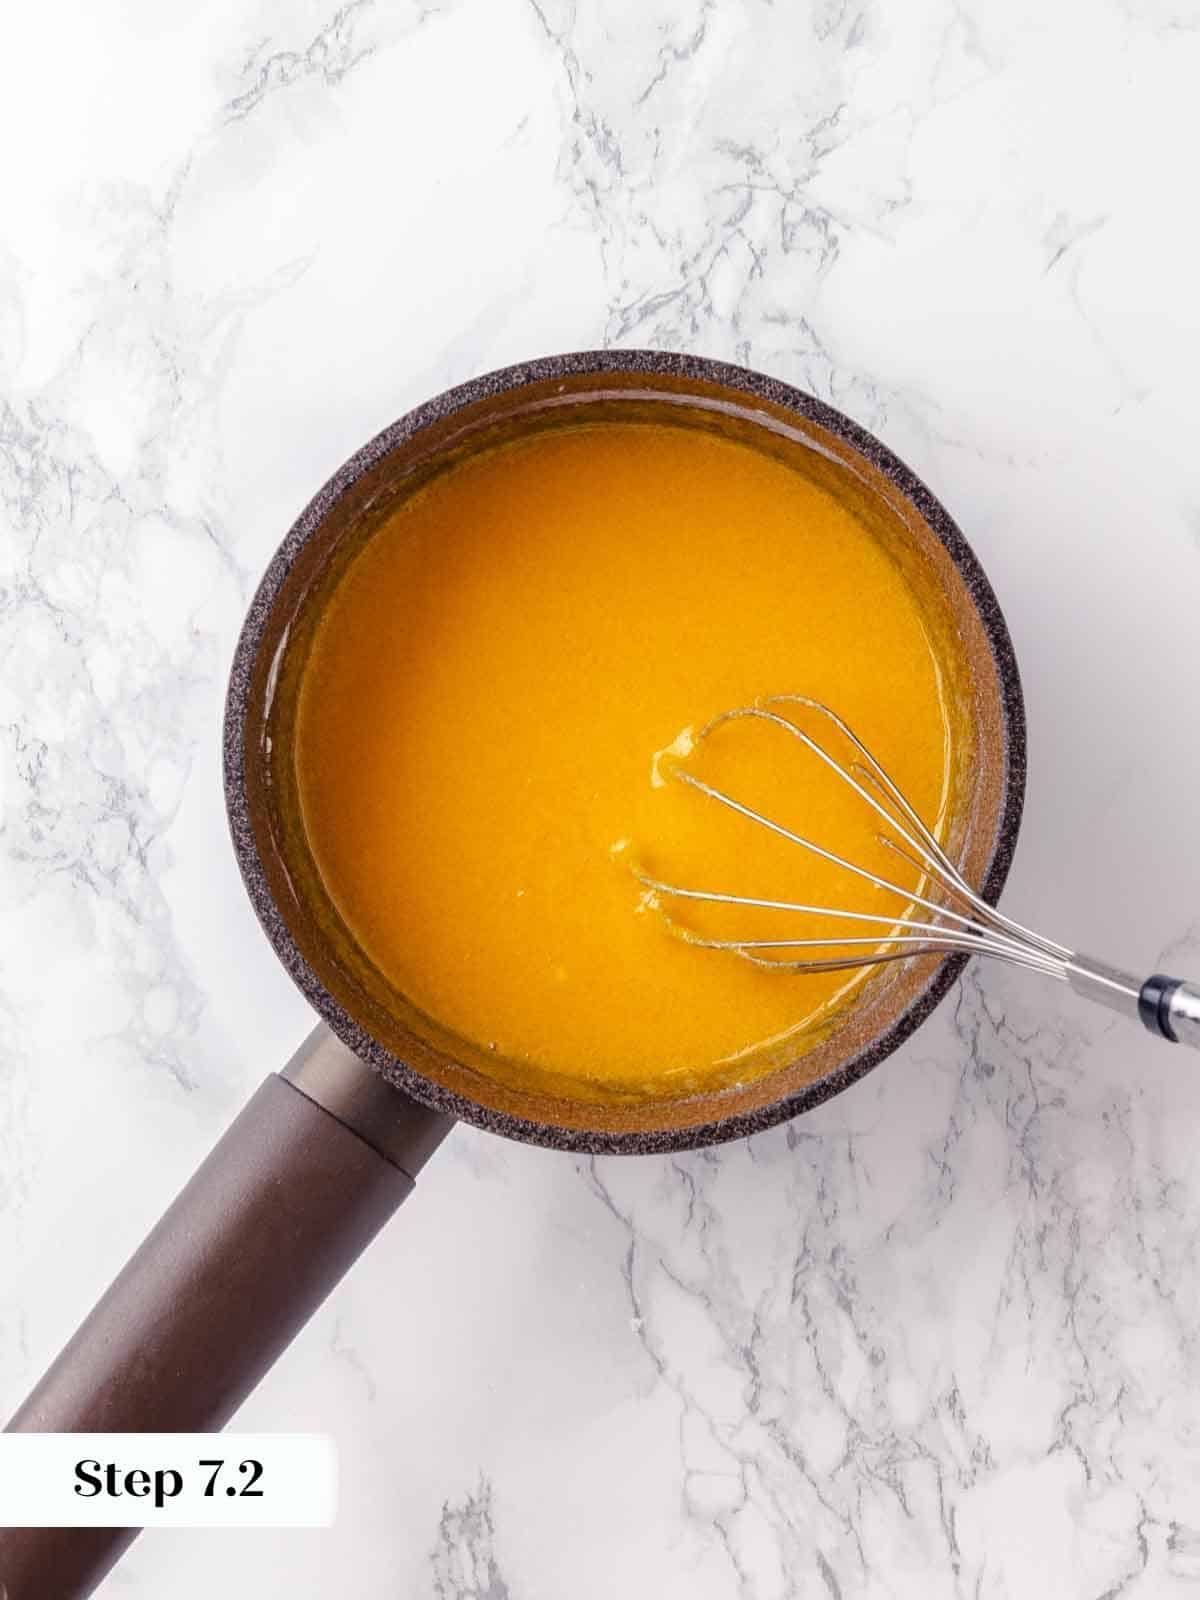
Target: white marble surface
937, 1339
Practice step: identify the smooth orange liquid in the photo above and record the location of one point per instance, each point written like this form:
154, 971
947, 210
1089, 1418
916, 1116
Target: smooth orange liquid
480, 712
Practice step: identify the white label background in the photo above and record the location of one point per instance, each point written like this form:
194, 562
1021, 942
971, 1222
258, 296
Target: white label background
299, 1480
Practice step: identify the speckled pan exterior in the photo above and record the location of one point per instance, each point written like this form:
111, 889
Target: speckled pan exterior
433, 1077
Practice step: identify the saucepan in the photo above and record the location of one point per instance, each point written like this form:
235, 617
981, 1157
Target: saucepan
327, 1149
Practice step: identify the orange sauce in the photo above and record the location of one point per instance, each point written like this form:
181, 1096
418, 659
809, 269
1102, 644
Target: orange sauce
482, 706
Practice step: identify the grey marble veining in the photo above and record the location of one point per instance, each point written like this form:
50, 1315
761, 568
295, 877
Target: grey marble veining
937, 1338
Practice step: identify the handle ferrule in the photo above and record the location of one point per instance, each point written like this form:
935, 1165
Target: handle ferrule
333, 1077
1104, 985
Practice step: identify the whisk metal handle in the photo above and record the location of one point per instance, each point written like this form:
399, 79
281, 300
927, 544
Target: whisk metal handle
1168, 1007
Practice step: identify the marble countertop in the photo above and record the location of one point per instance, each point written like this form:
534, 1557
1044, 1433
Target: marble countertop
938, 1338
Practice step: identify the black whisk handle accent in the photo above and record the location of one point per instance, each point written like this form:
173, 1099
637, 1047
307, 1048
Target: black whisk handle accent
1170, 1008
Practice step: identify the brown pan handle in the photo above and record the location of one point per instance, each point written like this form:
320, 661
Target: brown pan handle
300, 1184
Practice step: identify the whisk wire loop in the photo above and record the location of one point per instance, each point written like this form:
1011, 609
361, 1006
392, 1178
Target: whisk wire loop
974, 928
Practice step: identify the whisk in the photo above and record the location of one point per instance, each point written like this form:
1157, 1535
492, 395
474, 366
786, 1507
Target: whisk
958, 920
